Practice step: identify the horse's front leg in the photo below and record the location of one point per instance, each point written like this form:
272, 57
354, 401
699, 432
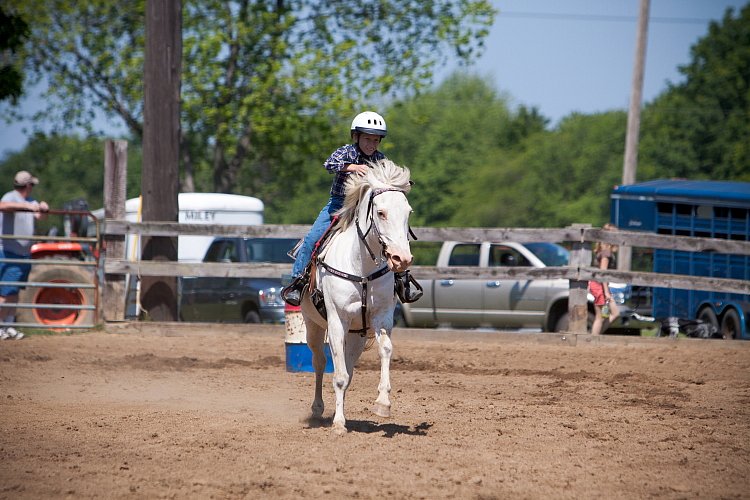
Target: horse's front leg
382, 406
341, 376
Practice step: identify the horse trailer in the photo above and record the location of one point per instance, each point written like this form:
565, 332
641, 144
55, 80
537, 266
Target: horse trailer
704, 209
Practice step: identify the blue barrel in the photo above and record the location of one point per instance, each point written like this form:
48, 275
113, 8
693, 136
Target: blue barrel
298, 355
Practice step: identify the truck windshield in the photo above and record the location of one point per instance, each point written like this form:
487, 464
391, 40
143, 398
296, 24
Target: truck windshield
551, 254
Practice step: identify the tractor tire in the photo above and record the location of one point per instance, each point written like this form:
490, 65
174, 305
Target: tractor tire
50, 273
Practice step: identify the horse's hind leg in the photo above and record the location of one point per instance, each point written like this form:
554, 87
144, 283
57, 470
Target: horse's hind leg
315, 341
382, 406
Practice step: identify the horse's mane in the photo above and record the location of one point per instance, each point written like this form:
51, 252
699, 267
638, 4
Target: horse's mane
382, 174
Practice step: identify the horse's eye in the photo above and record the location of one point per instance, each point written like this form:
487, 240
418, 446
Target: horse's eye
382, 214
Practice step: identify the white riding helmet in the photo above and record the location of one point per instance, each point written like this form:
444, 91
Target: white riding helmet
369, 122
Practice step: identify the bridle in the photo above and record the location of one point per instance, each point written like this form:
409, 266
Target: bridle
371, 217
364, 280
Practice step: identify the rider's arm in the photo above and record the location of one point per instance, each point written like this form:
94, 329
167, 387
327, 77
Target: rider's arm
341, 159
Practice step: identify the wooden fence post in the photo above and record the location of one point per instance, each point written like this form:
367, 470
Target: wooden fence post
115, 175
580, 256
162, 67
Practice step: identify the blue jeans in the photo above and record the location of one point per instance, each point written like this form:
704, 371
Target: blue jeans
12, 272
316, 232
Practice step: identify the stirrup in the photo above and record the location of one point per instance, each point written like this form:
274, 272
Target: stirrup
407, 288
292, 293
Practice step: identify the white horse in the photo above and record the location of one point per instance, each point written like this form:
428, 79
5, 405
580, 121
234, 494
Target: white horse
354, 275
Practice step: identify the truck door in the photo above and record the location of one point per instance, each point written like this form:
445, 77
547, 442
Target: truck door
497, 301
206, 298
459, 301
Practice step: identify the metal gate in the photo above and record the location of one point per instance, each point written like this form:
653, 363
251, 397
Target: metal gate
62, 290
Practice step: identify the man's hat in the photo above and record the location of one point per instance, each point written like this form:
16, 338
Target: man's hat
23, 178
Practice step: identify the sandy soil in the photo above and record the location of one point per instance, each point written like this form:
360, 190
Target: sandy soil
169, 411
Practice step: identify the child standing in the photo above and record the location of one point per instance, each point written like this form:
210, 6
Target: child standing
604, 257
367, 130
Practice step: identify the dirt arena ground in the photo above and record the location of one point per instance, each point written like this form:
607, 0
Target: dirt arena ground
169, 411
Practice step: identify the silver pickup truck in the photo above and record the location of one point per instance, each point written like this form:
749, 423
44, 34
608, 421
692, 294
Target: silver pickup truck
504, 303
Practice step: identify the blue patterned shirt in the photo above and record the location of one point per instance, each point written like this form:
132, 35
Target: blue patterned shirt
343, 156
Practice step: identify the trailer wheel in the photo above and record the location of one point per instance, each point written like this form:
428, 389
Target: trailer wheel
707, 315
730, 325
50, 273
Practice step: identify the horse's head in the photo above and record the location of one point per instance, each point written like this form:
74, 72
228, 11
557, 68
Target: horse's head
377, 203
390, 221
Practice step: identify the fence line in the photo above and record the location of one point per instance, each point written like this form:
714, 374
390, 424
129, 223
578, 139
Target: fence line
576, 233
578, 272
262, 270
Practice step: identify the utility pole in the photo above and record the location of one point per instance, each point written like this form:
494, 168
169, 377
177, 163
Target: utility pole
630, 163
161, 151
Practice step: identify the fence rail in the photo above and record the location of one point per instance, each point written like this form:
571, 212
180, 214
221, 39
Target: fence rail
578, 272
573, 234
576, 233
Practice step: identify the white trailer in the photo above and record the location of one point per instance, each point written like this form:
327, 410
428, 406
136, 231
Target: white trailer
194, 208
199, 208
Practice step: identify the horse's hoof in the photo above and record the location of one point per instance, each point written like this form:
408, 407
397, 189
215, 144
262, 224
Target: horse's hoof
381, 410
339, 429
316, 411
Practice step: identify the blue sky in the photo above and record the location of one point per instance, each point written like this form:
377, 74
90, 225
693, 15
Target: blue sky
566, 56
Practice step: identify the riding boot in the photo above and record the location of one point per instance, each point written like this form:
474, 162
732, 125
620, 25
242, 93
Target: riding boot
292, 293
407, 288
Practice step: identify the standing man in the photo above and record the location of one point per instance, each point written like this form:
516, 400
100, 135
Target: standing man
18, 212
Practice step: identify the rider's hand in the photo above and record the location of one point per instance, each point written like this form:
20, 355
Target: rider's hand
356, 168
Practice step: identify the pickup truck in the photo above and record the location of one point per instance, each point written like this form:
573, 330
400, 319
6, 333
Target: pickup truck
503, 303
237, 300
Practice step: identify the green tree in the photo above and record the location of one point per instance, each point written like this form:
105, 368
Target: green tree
13, 31
68, 168
259, 78
700, 128
445, 136
460, 141
554, 178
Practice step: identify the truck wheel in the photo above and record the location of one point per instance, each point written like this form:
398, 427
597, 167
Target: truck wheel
730, 325
50, 273
252, 317
708, 316
563, 322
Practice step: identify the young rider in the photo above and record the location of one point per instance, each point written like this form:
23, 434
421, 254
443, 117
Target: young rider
367, 130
